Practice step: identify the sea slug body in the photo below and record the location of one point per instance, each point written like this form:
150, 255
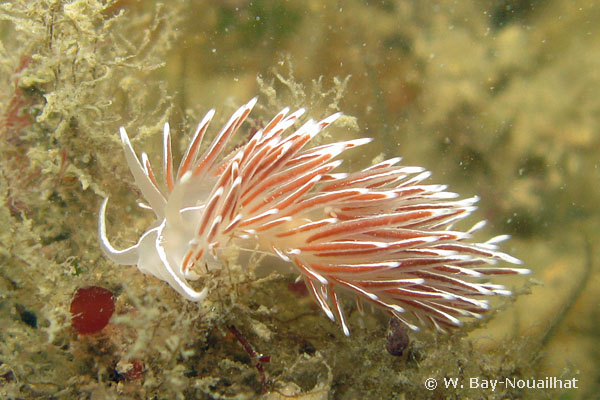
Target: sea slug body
378, 233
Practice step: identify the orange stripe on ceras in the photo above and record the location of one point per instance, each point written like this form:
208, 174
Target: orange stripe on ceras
345, 210
418, 252
283, 177
393, 250
470, 263
272, 161
384, 164
213, 231
192, 151
208, 213
436, 218
432, 311
300, 137
331, 149
460, 305
322, 199
305, 269
270, 225
467, 306
426, 293
289, 121
381, 183
255, 219
315, 295
373, 222
225, 178
450, 269
242, 118
248, 149
230, 201
340, 246
383, 284
284, 159
270, 135
273, 122
304, 228
459, 285
303, 188
215, 149
421, 262
407, 191
332, 269
347, 217
294, 184
336, 305
150, 173
295, 145
250, 163
429, 206
371, 196
298, 142
360, 177
464, 249
169, 165
402, 234
305, 156
186, 261
496, 271
218, 170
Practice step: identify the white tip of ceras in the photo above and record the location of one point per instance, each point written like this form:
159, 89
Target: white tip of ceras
298, 113
357, 142
284, 111
513, 260
207, 118
186, 177
145, 162
415, 170
498, 239
418, 178
385, 164
124, 137
329, 120
282, 256
250, 105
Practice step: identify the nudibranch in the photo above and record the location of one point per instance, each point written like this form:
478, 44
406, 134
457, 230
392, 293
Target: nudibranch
378, 233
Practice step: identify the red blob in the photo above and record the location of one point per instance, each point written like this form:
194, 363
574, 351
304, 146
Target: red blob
136, 371
298, 288
91, 308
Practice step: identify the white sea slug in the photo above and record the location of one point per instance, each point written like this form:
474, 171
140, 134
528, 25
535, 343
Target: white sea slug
378, 233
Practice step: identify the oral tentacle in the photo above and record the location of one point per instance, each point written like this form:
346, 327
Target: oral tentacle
128, 256
150, 192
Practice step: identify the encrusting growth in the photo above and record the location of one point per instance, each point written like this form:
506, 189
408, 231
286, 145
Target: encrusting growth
378, 233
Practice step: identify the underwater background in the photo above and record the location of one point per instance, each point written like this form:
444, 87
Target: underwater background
498, 99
